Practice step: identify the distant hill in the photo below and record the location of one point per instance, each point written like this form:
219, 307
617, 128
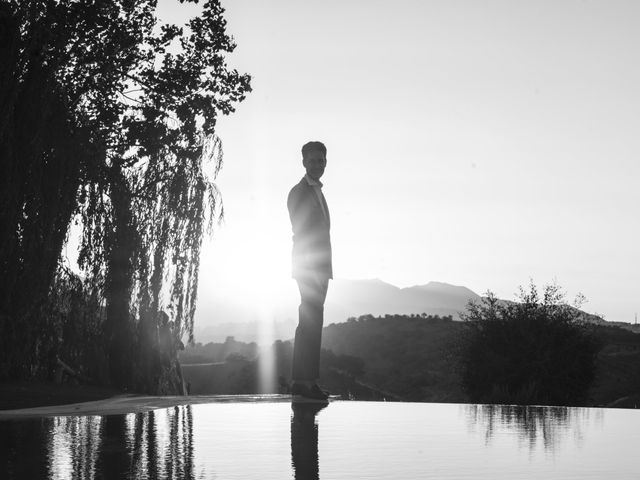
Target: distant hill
411, 357
220, 317
352, 298
632, 327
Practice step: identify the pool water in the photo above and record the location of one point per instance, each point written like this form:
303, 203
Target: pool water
345, 440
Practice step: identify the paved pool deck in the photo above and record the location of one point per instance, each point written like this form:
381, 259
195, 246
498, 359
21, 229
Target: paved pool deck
122, 404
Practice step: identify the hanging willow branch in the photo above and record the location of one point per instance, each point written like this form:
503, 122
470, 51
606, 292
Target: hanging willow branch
172, 222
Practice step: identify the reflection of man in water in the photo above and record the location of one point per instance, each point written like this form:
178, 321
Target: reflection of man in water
312, 269
304, 441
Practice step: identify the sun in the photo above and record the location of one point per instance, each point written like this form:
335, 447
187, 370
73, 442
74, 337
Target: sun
250, 267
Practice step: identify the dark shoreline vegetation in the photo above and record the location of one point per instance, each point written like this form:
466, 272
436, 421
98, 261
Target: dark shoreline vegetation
107, 122
404, 358
417, 358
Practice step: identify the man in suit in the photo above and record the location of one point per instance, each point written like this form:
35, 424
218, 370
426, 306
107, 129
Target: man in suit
311, 268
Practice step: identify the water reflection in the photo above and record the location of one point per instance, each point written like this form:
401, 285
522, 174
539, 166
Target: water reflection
150, 445
72, 447
532, 424
347, 440
304, 440
156, 444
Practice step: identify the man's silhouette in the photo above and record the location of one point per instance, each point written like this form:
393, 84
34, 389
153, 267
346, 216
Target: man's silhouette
312, 269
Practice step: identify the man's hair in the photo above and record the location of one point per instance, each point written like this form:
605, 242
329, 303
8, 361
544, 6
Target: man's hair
313, 147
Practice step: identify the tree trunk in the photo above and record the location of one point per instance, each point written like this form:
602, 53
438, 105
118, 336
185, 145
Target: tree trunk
120, 245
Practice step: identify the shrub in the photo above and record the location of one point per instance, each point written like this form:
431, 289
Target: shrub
535, 351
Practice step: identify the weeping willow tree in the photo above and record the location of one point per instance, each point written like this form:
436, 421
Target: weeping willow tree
118, 115
164, 207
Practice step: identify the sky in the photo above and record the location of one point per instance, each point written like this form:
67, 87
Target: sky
477, 143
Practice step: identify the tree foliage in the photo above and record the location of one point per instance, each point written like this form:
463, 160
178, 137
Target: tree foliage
108, 117
535, 351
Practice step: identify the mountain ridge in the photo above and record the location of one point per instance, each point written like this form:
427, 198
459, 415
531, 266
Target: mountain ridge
347, 298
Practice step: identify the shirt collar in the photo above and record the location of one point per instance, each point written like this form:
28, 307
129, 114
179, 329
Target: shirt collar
312, 182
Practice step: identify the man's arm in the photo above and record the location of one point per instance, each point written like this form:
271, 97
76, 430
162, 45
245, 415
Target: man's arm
298, 208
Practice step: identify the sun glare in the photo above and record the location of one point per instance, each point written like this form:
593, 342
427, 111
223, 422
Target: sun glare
248, 266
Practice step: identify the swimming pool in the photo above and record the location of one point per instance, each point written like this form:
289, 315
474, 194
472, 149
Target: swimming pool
345, 440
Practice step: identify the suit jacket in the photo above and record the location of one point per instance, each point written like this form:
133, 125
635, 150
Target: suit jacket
311, 256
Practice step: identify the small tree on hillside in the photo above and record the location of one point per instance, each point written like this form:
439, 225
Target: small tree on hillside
535, 351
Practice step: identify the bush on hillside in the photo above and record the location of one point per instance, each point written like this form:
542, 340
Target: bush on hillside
535, 351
